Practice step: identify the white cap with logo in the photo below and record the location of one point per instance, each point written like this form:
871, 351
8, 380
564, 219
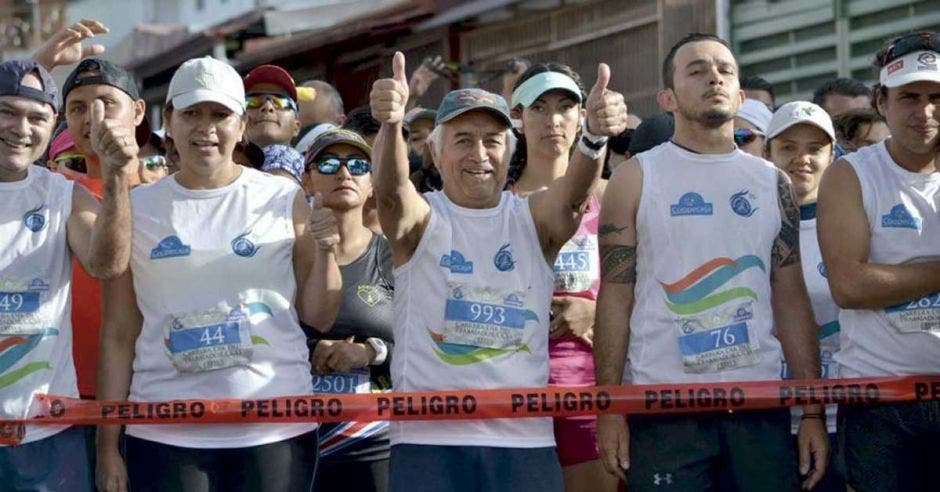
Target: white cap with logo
756, 113
917, 66
206, 80
796, 112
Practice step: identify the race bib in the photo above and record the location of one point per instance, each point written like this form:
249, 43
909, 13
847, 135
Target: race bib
208, 340
577, 266
717, 340
20, 303
917, 316
356, 381
484, 317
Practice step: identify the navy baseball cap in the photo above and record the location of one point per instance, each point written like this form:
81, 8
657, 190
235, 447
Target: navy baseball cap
460, 101
11, 80
108, 74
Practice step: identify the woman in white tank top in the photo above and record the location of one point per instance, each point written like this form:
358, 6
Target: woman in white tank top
207, 310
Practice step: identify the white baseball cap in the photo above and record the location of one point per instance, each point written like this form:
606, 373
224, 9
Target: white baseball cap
913, 67
756, 113
796, 112
304, 143
540, 83
206, 80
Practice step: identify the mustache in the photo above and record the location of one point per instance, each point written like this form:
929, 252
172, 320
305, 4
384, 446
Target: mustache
17, 140
715, 92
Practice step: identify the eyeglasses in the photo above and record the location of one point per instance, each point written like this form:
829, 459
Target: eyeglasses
744, 136
357, 166
911, 43
255, 101
73, 161
152, 161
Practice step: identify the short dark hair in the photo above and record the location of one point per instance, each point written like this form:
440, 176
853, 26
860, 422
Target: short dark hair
669, 67
756, 83
360, 120
880, 60
841, 86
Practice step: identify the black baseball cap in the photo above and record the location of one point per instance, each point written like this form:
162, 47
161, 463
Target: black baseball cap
108, 74
11, 81
652, 132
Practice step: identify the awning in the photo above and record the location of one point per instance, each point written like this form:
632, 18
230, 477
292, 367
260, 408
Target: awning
464, 11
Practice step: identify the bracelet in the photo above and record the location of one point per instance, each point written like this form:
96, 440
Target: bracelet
591, 149
596, 140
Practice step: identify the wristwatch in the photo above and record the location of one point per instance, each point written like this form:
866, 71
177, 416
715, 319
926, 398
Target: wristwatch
381, 350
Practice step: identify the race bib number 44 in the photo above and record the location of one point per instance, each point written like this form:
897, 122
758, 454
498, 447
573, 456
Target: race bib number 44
917, 316
484, 317
209, 340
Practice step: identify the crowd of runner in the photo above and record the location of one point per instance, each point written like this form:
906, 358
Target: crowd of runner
266, 243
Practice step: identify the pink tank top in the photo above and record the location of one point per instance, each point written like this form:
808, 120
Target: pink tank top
577, 267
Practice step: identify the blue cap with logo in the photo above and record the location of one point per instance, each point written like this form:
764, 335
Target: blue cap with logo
11, 81
460, 101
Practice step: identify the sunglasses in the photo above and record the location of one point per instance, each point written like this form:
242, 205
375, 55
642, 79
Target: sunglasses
744, 136
75, 162
153, 161
357, 166
255, 101
910, 44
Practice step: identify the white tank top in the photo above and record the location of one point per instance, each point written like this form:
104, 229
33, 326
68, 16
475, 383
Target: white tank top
214, 279
825, 311
903, 210
35, 295
471, 311
706, 226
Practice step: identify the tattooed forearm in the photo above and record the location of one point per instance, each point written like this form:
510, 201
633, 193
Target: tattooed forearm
618, 263
786, 250
608, 229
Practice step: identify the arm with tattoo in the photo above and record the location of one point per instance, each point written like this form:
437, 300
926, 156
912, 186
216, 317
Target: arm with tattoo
786, 250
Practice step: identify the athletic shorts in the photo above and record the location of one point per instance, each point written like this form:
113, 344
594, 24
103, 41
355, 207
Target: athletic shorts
284, 466
746, 451
58, 462
422, 468
571, 363
890, 447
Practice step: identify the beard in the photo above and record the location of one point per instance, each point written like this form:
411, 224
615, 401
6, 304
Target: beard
712, 117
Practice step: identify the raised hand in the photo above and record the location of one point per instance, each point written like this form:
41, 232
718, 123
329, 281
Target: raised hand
390, 96
65, 47
606, 110
112, 141
425, 75
323, 226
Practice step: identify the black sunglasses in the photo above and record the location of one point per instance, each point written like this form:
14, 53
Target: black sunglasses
357, 166
744, 136
911, 43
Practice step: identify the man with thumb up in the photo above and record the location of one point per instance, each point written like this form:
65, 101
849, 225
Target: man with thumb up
474, 277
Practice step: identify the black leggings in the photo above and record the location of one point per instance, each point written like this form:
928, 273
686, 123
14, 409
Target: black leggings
353, 476
285, 466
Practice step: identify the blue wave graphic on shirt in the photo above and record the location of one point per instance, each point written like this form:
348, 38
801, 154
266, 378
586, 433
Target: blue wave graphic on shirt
715, 280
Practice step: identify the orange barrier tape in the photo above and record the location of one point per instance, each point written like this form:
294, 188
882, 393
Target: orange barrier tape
486, 404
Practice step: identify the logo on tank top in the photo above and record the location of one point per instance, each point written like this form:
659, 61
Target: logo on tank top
900, 217
371, 294
456, 263
169, 247
35, 220
741, 203
821, 268
503, 259
691, 203
242, 246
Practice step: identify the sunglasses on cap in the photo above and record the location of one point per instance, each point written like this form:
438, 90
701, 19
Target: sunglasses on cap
152, 161
255, 101
357, 166
744, 136
73, 161
911, 43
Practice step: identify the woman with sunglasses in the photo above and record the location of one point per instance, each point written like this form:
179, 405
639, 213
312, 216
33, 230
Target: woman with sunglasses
801, 142
750, 126
549, 100
350, 346
153, 162
206, 310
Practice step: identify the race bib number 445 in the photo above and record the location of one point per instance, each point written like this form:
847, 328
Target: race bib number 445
917, 316
484, 317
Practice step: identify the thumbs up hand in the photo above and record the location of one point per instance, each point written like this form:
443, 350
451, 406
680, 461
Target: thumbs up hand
323, 227
606, 110
390, 96
112, 141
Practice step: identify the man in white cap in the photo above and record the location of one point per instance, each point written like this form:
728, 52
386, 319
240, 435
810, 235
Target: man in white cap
801, 143
879, 230
750, 126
